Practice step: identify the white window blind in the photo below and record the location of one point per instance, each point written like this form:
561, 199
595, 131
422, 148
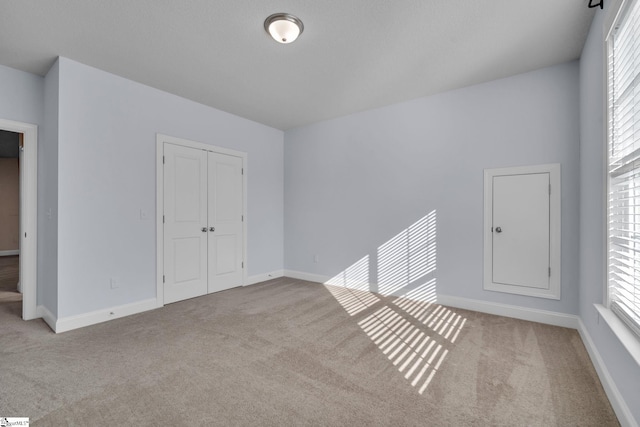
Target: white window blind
624, 167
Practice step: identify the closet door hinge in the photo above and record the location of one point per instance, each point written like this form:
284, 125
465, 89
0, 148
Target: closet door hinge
549, 189
549, 271
163, 279
242, 264
163, 160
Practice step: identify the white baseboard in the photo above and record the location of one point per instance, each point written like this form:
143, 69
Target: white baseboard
10, 252
300, 275
47, 316
516, 312
617, 402
533, 315
74, 322
252, 280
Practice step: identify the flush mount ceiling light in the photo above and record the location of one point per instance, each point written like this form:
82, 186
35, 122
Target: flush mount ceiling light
283, 27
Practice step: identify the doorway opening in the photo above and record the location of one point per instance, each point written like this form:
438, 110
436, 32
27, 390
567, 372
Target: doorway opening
10, 143
18, 236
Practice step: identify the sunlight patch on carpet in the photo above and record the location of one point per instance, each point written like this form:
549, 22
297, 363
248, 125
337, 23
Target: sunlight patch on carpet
414, 332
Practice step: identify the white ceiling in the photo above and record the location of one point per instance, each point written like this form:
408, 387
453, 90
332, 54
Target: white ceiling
353, 55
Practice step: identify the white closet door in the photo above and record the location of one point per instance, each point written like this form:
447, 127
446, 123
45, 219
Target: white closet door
225, 221
185, 211
521, 242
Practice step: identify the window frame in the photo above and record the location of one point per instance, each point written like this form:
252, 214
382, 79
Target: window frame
626, 333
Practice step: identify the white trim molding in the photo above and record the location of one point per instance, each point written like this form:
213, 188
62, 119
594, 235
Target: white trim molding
310, 277
28, 214
627, 338
159, 221
516, 312
47, 316
513, 311
80, 321
617, 402
258, 278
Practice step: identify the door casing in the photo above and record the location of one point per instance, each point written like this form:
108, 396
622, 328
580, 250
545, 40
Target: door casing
160, 140
554, 289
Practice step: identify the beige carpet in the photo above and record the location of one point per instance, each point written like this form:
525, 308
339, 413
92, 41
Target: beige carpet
288, 352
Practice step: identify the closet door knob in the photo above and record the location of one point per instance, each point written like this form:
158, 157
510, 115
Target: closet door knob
212, 229
204, 229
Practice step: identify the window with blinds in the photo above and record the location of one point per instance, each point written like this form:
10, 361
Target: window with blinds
624, 167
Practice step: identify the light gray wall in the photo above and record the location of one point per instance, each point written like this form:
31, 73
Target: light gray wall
624, 370
21, 96
48, 196
107, 173
353, 183
22, 99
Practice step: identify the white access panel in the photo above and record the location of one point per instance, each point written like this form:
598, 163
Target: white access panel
185, 216
225, 220
522, 230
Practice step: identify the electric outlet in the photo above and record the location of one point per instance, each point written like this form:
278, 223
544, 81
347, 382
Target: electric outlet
49, 213
115, 283
316, 258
